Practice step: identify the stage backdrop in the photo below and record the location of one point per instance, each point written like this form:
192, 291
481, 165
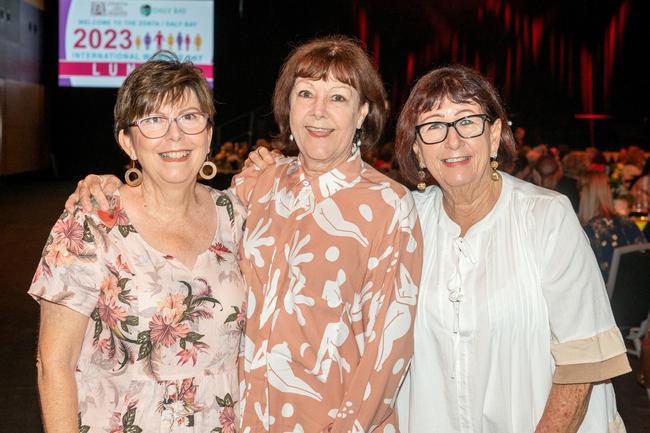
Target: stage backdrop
100, 42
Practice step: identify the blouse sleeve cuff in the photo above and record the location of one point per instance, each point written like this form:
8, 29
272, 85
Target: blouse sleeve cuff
598, 348
593, 371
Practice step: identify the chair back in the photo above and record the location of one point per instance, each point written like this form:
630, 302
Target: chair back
628, 284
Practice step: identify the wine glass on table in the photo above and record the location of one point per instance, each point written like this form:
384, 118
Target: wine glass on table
639, 214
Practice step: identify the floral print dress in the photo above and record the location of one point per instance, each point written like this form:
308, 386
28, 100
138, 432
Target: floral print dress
160, 350
607, 234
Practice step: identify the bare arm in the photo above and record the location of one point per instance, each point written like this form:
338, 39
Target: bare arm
93, 186
565, 409
60, 337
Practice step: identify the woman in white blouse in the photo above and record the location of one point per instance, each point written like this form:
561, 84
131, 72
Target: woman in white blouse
514, 332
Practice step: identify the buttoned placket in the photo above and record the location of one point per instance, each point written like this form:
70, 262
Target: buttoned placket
459, 373
305, 195
300, 206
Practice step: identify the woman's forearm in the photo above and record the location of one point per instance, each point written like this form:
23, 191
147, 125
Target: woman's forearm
58, 394
565, 409
60, 339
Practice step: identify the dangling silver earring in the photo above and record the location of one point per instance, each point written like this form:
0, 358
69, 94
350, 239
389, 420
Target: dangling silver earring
208, 170
291, 137
356, 141
494, 164
421, 176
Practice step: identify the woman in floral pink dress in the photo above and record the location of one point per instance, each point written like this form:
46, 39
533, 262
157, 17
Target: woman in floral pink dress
141, 306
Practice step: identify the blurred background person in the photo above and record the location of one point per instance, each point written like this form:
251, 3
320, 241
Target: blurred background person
553, 178
605, 228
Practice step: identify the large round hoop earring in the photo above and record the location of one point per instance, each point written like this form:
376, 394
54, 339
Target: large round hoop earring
208, 170
133, 176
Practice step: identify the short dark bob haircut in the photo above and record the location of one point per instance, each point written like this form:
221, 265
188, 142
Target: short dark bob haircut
161, 78
459, 84
343, 59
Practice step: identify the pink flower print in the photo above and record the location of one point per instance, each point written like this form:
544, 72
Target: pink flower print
165, 331
117, 420
172, 307
188, 391
227, 420
104, 344
201, 287
241, 316
219, 250
58, 255
109, 289
121, 265
185, 355
110, 313
191, 352
43, 266
122, 218
69, 234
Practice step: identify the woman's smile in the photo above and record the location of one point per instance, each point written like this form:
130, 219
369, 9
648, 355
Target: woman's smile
176, 155
319, 132
456, 161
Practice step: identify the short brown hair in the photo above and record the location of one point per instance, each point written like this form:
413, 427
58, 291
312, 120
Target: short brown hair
342, 58
163, 77
460, 85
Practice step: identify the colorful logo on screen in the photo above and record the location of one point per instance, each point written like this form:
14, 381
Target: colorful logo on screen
145, 10
110, 9
97, 8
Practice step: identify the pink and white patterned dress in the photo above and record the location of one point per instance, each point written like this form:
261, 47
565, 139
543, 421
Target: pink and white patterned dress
161, 346
332, 265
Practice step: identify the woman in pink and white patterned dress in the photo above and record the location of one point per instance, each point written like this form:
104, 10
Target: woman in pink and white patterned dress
331, 255
141, 305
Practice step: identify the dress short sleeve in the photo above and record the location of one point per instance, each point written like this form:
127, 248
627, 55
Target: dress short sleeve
236, 212
586, 344
69, 271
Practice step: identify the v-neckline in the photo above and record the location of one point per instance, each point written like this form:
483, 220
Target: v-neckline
169, 257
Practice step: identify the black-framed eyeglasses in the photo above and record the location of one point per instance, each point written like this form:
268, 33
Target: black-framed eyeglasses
191, 123
467, 127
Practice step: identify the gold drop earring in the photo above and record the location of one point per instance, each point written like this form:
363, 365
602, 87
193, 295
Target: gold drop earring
421, 176
494, 164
